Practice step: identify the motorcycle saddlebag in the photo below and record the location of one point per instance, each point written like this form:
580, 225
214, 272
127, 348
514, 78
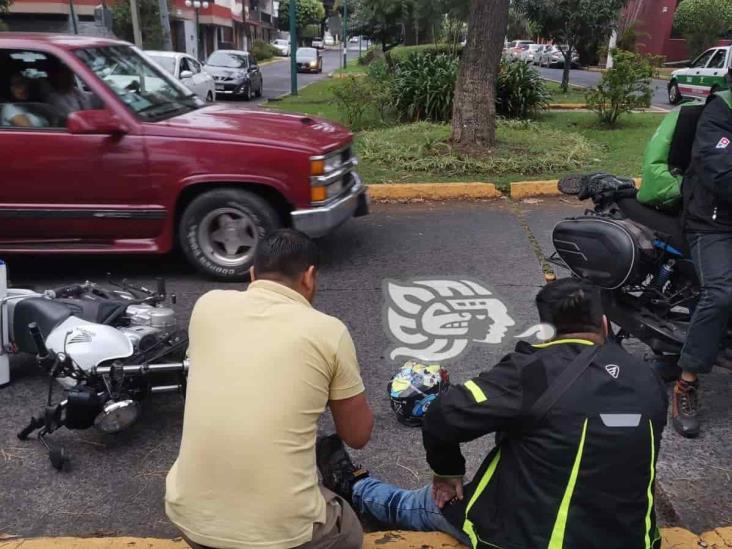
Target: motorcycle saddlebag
606, 252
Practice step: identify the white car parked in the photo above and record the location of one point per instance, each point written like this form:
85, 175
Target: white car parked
189, 71
283, 46
527, 55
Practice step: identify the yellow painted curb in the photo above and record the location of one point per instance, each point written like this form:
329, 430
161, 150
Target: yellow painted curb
567, 106
273, 61
672, 538
526, 189
433, 191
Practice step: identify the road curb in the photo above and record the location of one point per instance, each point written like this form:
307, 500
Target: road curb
396, 192
672, 538
273, 61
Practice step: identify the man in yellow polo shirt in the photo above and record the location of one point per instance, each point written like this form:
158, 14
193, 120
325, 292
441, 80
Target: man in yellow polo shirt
264, 367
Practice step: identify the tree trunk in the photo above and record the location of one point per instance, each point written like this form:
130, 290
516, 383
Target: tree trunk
567, 68
474, 111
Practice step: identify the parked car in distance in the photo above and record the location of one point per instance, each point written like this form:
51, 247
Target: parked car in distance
236, 73
527, 55
329, 40
188, 71
283, 46
539, 52
309, 60
318, 43
552, 56
149, 171
704, 76
516, 47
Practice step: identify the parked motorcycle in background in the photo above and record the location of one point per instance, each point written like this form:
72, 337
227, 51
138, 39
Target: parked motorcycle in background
639, 257
109, 348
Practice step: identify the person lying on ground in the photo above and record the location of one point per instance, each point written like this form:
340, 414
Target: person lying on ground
264, 367
578, 425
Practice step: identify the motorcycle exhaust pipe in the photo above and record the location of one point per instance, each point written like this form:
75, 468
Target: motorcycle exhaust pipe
4, 332
143, 369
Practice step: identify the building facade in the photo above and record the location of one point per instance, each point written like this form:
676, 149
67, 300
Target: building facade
654, 22
222, 24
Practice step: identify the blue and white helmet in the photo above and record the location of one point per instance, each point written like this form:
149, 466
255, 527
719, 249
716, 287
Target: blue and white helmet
413, 388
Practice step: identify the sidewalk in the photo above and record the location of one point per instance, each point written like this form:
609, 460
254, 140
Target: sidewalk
673, 538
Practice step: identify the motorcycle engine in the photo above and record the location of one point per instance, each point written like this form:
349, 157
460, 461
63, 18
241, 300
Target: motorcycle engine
147, 324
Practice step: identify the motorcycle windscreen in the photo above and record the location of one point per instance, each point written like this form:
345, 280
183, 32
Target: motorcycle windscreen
598, 250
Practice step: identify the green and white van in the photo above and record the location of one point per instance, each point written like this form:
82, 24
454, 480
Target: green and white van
705, 75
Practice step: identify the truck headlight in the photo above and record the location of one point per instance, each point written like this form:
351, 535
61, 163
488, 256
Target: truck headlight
325, 181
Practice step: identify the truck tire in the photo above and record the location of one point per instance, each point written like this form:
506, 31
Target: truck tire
220, 229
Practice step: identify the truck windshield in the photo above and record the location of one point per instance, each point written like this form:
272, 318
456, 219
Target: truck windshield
150, 93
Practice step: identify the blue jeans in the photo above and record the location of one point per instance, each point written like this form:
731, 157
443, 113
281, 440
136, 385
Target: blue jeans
406, 509
712, 255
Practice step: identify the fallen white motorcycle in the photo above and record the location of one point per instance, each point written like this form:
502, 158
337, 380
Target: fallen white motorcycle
109, 347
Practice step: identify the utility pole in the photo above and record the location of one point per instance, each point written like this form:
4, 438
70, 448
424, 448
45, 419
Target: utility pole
135, 15
610, 47
293, 47
345, 33
72, 14
165, 25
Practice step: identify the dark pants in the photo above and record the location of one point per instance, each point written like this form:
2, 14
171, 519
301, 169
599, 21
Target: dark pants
712, 255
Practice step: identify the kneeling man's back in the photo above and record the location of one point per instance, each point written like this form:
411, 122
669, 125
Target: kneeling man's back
264, 366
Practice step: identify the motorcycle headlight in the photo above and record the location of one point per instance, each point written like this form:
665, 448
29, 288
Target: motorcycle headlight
117, 416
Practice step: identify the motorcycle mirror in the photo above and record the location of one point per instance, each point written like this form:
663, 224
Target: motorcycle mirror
161, 287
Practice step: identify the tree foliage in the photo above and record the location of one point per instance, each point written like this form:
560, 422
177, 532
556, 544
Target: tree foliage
568, 22
152, 33
309, 12
703, 22
391, 22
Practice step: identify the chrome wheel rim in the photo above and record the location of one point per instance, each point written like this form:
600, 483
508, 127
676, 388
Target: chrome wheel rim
228, 237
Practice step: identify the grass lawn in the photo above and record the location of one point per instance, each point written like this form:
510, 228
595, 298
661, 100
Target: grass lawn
573, 95
556, 144
315, 99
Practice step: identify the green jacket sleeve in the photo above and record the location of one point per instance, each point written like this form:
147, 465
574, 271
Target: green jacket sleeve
661, 188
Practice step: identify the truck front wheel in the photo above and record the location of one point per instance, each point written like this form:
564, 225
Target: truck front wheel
220, 229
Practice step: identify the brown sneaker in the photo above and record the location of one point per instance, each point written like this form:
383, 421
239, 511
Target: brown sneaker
684, 407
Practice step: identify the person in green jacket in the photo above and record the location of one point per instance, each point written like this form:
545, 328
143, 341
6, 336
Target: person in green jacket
667, 158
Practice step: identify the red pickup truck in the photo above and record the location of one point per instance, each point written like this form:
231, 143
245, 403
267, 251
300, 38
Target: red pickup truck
103, 152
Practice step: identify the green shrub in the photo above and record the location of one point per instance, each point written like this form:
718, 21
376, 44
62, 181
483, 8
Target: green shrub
353, 97
372, 54
521, 92
423, 86
263, 51
625, 87
402, 53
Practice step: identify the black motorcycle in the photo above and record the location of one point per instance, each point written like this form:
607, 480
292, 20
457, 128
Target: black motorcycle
639, 257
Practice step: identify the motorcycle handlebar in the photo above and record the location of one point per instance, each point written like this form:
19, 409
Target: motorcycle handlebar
37, 336
73, 289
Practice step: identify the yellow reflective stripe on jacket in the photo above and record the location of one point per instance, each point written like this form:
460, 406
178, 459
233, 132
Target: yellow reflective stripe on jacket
476, 391
468, 525
557, 539
560, 341
650, 542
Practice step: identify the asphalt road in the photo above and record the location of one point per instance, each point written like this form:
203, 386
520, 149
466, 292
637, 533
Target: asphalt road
116, 483
276, 76
589, 79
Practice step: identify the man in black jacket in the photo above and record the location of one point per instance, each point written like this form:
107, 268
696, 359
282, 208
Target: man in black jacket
707, 193
581, 474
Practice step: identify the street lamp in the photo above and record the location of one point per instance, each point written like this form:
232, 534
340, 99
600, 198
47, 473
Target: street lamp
197, 5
